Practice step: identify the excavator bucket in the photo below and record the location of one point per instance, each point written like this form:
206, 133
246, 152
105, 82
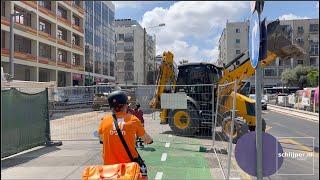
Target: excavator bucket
280, 41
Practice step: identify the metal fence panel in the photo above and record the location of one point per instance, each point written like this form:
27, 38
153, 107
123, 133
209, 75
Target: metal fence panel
23, 120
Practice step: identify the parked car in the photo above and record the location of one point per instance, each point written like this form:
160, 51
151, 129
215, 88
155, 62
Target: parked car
263, 101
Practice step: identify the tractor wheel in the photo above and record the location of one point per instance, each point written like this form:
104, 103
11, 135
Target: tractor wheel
239, 129
184, 122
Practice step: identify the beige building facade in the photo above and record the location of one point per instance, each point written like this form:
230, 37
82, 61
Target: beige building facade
305, 33
48, 41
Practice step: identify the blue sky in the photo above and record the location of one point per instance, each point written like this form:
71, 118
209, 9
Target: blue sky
193, 28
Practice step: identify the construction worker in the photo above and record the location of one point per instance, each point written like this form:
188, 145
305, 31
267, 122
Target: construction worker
139, 114
114, 150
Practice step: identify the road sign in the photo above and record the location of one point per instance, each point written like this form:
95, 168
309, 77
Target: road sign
254, 39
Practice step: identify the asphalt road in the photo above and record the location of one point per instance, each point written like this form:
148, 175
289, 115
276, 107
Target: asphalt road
296, 136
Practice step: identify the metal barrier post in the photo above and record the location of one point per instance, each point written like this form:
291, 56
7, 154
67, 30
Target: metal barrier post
231, 131
215, 119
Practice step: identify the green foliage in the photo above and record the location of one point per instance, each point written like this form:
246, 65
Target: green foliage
313, 78
302, 76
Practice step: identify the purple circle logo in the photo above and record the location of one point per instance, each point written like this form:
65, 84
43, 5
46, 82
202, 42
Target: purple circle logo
246, 154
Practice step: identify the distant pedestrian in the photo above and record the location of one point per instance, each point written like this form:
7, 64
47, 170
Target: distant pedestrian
139, 114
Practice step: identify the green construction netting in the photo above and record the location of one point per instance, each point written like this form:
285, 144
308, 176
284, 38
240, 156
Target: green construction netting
24, 121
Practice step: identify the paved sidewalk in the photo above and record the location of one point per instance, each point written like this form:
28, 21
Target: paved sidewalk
306, 115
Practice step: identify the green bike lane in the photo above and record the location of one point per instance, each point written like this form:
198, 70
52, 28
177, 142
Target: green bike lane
180, 159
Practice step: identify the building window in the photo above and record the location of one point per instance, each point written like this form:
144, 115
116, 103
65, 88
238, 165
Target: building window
75, 20
300, 62
76, 59
111, 68
62, 55
270, 72
75, 39
237, 41
300, 29
44, 26
237, 30
128, 37
62, 33
22, 17
313, 61
120, 37
45, 4
62, 12
314, 27
22, 44
44, 50
280, 62
300, 40
237, 51
314, 49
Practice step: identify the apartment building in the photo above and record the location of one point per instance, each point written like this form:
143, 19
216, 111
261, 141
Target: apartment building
130, 67
48, 41
304, 32
99, 42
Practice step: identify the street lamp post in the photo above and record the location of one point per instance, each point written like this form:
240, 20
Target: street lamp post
144, 48
11, 49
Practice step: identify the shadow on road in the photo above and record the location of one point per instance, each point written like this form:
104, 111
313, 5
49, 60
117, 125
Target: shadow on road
24, 158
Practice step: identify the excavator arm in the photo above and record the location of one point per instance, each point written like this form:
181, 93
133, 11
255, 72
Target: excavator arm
279, 45
167, 76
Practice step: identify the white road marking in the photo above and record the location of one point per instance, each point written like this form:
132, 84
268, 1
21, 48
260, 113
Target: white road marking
164, 156
158, 176
167, 145
170, 135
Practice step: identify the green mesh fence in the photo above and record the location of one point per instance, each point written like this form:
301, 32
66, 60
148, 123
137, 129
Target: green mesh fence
24, 121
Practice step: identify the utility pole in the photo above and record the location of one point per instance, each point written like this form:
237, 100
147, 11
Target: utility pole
144, 55
11, 45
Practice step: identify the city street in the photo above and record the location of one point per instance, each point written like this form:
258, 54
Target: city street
295, 135
166, 158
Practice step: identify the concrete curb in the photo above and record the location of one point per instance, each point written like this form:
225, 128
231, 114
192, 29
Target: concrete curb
295, 110
314, 118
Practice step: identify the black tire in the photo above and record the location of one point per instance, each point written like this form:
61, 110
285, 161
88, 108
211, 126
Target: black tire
192, 126
240, 128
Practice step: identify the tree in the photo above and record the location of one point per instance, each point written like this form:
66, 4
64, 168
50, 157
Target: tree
302, 76
288, 77
313, 77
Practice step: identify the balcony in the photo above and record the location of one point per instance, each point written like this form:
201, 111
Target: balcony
64, 21
78, 67
32, 4
78, 28
64, 64
48, 61
26, 28
47, 12
5, 21
25, 56
47, 36
5, 52
76, 47
64, 43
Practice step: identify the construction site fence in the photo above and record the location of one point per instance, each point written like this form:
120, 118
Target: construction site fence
24, 119
75, 113
223, 141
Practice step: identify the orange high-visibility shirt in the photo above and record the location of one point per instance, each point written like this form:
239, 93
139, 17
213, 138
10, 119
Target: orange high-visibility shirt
113, 150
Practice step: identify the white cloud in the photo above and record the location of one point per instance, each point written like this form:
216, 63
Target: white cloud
291, 16
188, 19
133, 4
